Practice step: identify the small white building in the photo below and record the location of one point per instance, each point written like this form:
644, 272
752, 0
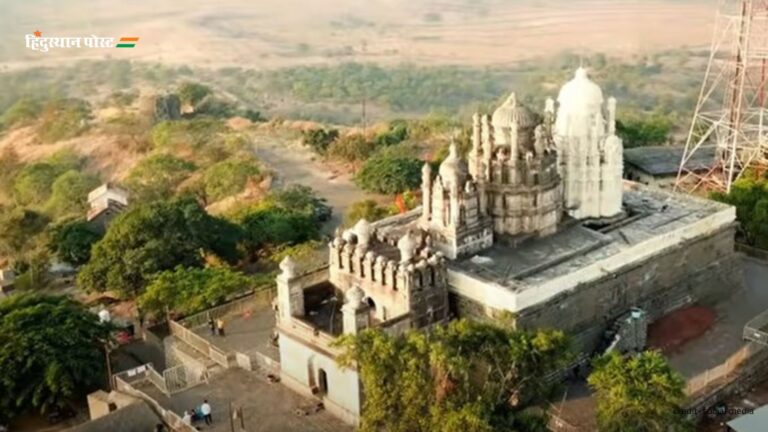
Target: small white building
394, 285
106, 202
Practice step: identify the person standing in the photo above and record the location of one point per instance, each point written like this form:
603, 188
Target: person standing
212, 325
205, 409
220, 326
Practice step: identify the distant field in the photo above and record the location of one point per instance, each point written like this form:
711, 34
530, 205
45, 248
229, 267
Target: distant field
278, 33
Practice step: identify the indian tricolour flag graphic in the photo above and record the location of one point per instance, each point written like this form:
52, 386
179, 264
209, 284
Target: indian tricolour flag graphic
127, 42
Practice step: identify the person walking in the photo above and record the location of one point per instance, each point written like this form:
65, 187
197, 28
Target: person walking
212, 325
205, 409
220, 326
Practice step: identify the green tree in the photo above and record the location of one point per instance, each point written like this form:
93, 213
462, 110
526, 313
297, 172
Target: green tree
157, 177
229, 177
192, 93
69, 193
23, 111
389, 173
71, 241
189, 290
51, 352
300, 199
18, 228
462, 376
396, 133
749, 195
319, 139
269, 226
367, 209
153, 237
638, 130
33, 183
351, 148
640, 393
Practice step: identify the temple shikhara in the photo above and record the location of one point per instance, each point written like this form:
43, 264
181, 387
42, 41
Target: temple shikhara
535, 220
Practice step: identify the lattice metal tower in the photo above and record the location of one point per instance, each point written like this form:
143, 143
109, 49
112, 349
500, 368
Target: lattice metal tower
731, 111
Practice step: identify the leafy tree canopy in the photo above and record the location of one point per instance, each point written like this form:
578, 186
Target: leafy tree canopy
640, 130
190, 290
23, 111
229, 177
33, 183
192, 93
462, 376
367, 209
750, 197
157, 177
72, 240
638, 394
300, 199
352, 148
69, 193
390, 172
319, 139
18, 227
153, 237
51, 352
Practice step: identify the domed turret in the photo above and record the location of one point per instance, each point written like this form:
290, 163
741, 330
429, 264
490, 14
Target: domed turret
355, 297
453, 170
510, 112
580, 101
513, 124
362, 230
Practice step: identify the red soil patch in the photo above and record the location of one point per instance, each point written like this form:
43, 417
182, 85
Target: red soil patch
678, 328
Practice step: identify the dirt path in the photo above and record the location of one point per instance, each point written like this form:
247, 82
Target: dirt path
294, 164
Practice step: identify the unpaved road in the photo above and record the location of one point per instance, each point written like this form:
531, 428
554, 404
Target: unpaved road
293, 164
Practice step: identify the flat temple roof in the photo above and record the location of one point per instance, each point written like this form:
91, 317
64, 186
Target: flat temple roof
665, 160
650, 214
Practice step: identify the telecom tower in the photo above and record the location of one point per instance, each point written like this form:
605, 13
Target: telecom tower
731, 111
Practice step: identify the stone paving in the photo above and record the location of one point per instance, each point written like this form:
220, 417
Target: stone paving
266, 407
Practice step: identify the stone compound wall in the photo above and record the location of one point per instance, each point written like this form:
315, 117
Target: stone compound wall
705, 269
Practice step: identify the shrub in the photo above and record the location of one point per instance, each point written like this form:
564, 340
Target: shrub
319, 139
69, 193
352, 148
158, 176
389, 174
23, 111
63, 119
229, 177
368, 209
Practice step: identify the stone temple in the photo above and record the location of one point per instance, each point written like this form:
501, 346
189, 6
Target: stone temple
536, 221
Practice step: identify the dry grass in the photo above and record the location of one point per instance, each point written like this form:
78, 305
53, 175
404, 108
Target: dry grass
278, 33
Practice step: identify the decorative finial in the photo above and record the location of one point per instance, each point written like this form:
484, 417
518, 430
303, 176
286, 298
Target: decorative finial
511, 100
581, 73
288, 267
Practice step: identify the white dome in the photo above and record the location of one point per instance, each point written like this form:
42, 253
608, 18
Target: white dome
580, 101
510, 112
362, 230
355, 296
453, 170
